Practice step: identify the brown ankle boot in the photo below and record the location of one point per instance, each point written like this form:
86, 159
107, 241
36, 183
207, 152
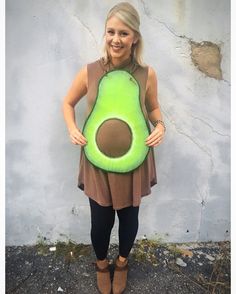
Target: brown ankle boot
120, 276
103, 276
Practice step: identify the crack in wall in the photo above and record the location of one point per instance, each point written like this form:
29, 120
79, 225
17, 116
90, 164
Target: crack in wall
227, 82
203, 198
202, 148
87, 28
210, 126
205, 55
203, 205
148, 14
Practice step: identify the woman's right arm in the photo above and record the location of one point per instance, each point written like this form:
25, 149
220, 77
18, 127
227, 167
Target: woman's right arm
77, 90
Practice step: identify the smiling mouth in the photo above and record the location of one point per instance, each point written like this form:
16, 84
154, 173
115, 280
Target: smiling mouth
116, 47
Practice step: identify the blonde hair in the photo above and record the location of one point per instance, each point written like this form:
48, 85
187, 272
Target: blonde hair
130, 17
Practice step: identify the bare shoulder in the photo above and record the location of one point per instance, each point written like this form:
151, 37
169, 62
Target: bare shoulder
152, 77
82, 76
78, 87
151, 73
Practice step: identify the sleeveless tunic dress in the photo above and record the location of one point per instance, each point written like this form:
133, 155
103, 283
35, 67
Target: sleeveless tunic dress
119, 190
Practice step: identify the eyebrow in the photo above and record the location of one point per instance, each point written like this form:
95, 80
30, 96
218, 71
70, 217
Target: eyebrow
124, 30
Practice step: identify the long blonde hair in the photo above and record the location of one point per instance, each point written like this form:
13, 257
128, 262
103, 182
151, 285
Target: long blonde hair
130, 17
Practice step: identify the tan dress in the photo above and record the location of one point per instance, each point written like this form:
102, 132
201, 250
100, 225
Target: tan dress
119, 190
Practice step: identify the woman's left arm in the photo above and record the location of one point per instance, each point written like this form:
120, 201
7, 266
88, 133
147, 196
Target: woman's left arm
153, 110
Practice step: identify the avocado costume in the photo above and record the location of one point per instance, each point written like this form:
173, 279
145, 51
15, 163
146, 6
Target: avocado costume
119, 189
116, 128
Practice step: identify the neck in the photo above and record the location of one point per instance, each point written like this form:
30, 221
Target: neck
120, 62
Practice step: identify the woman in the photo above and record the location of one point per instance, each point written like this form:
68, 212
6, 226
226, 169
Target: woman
108, 191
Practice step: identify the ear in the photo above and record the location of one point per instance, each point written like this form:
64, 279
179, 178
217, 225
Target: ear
136, 38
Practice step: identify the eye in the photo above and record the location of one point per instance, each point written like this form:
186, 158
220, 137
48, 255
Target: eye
124, 34
110, 32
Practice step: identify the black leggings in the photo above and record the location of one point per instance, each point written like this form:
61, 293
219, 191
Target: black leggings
102, 221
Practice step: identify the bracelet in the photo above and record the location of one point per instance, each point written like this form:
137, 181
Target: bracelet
159, 121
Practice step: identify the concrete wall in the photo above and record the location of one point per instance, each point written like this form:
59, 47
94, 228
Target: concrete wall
46, 44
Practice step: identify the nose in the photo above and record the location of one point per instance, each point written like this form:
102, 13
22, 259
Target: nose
116, 38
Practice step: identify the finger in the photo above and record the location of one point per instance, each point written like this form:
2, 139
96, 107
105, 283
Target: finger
153, 134
82, 143
155, 142
77, 141
153, 139
158, 143
78, 134
82, 140
83, 137
79, 138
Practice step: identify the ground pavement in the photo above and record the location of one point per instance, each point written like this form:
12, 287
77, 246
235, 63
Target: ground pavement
153, 268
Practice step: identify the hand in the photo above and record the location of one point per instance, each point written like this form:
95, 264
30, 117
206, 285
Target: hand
156, 136
77, 138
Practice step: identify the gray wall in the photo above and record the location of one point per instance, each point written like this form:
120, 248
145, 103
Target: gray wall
47, 42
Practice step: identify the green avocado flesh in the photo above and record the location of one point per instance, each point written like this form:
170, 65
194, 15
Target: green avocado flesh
116, 128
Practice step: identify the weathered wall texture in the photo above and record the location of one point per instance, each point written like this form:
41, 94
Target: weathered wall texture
188, 44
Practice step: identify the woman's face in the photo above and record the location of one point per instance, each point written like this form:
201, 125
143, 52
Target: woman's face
119, 39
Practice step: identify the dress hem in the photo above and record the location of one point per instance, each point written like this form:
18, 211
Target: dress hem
81, 187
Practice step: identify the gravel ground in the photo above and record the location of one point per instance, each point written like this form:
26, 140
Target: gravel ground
153, 268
